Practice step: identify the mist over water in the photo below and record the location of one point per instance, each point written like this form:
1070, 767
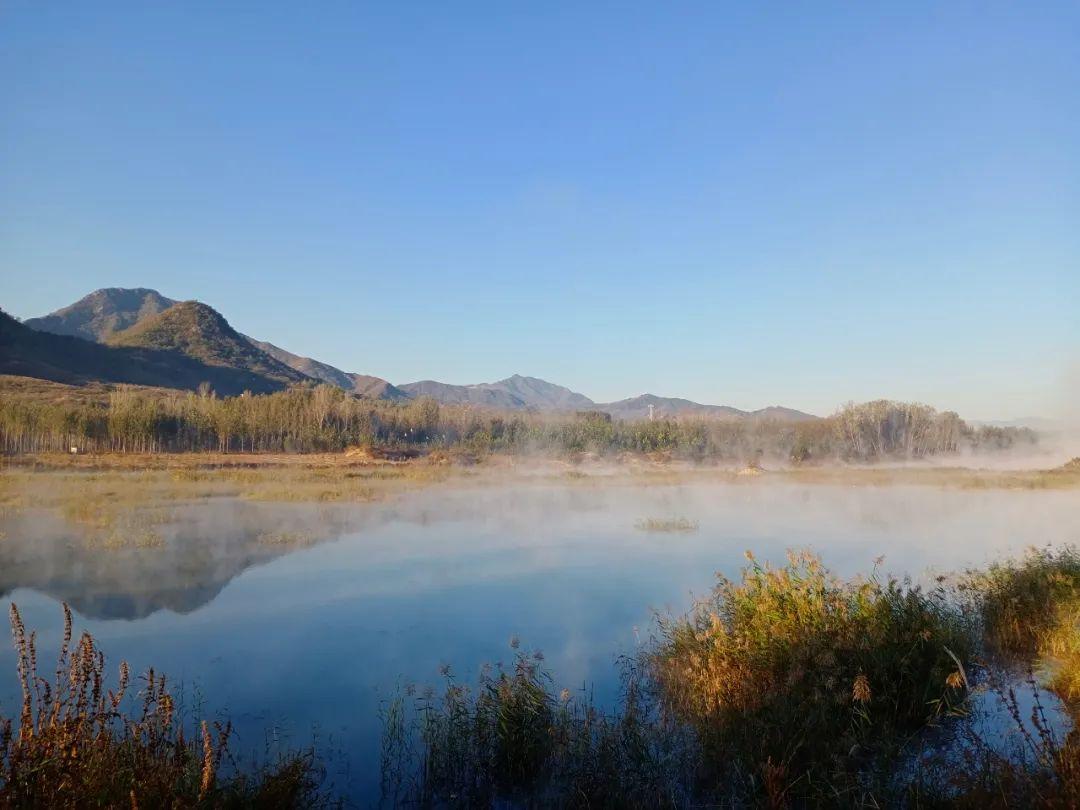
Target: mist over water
299, 617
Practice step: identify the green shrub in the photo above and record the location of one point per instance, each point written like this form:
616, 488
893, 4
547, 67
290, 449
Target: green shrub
796, 681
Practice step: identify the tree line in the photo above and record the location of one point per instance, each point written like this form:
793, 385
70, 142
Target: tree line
324, 418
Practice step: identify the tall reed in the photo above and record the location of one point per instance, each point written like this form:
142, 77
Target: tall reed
78, 742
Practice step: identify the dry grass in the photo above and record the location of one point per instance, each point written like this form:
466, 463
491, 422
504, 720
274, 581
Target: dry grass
1065, 477
78, 742
116, 502
443, 465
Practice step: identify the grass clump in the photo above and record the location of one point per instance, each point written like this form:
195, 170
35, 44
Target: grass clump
799, 684
1022, 602
790, 687
77, 744
515, 740
1030, 611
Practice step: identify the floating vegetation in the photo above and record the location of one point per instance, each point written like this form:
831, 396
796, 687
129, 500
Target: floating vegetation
318, 493
119, 539
675, 524
289, 539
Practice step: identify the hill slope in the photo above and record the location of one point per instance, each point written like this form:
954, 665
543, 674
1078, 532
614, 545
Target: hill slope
779, 413
638, 408
103, 313
361, 384
463, 395
377, 388
201, 333
515, 393
540, 394
61, 358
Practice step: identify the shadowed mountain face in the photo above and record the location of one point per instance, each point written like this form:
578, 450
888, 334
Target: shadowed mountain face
103, 313
361, 384
514, 393
200, 332
29, 353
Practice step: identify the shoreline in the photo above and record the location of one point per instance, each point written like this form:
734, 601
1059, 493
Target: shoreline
440, 467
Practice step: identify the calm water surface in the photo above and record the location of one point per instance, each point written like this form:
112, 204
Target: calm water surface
301, 619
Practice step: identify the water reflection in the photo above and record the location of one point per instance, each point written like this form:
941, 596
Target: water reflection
294, 617
192, 556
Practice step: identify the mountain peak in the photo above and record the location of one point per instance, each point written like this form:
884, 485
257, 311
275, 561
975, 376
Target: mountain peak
200, 331
639, 408
103, 313
516, 392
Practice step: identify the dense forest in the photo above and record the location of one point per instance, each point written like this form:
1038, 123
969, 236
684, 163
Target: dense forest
306, 419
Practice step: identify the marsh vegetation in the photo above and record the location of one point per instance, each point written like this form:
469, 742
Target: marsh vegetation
789, 687
82, 738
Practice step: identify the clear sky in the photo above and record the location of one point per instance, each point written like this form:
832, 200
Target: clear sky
740, 203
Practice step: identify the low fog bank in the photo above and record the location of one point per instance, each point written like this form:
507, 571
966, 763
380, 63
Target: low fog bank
1054, 448
484, 528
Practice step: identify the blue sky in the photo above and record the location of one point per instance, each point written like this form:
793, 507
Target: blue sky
749, 204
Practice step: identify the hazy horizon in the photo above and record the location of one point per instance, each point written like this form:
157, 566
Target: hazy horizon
743, 206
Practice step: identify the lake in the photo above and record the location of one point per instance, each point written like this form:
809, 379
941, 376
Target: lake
300, 619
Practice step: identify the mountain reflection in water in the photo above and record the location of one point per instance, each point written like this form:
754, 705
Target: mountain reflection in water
193, 558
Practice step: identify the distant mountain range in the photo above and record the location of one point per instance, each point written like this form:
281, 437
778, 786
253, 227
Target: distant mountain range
139, 336
143, 318
362, 384
638, 408
515, 393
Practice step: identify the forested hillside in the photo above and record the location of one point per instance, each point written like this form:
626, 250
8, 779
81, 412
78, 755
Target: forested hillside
72, 360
